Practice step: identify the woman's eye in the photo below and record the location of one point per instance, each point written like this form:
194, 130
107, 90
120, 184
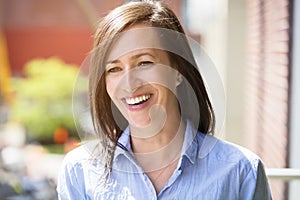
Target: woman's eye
145, 63
114, 70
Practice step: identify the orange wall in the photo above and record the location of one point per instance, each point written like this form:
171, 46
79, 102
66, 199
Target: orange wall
36, 28
71, 45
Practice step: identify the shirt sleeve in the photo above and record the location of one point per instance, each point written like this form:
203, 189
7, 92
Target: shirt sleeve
255, 186
262, 190
68, 187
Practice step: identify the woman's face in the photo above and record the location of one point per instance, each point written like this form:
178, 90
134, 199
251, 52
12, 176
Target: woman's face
142, 84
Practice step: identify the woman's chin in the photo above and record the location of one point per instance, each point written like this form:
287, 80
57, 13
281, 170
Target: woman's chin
145, 127
139, 121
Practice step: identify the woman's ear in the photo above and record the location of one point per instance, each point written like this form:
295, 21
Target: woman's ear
178, 74
178, 79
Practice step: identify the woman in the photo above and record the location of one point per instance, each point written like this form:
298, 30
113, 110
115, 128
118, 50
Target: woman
154, 120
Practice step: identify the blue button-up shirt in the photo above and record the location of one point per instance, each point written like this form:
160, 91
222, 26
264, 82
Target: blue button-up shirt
208, 168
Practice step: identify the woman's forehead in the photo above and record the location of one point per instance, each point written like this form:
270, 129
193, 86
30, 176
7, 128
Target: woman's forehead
136, 38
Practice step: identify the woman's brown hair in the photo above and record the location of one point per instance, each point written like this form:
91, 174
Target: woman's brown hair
103, 111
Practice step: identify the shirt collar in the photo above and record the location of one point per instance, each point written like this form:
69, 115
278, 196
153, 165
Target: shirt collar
189, 148
190, 144
124, 140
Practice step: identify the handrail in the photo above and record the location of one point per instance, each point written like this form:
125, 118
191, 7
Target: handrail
283, 173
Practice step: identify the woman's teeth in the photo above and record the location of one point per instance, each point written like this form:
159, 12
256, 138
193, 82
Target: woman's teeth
137, 100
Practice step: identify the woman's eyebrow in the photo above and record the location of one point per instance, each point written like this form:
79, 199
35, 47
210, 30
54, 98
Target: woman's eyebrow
132, 57
111, 62
142, 54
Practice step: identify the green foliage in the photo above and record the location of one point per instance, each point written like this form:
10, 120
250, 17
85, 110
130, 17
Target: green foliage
44, 98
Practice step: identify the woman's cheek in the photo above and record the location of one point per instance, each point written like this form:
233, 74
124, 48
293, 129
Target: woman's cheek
111, 87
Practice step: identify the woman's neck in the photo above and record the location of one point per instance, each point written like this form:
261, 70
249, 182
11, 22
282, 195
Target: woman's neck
161, 149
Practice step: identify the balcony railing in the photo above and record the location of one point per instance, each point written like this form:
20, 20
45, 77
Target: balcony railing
283, 173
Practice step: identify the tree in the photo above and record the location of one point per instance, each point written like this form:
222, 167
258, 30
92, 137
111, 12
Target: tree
43, 101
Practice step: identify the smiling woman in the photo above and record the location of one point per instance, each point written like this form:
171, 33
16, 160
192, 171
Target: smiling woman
153, 119
130, 84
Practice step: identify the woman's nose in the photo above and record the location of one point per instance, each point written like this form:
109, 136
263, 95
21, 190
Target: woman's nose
131, 81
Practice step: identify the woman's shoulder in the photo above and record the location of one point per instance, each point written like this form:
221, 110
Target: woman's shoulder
81, 154
228, 152
76, 154
235, 151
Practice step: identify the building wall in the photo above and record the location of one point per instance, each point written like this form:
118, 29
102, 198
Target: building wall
235, 73
267, 90
62, 28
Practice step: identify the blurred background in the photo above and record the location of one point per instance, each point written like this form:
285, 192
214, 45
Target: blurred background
253, 43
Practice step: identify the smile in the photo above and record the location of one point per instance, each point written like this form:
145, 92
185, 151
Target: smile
137, 100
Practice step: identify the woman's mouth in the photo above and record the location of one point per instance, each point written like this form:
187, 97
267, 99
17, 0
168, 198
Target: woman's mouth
138, 102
